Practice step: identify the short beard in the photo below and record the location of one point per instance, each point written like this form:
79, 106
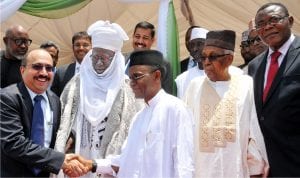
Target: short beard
18, 57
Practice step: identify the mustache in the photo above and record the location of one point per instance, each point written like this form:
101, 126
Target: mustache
42, 77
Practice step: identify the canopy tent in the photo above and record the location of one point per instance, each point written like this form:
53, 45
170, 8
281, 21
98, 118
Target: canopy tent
210, 14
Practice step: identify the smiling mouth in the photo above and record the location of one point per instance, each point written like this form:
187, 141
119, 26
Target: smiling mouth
271, 34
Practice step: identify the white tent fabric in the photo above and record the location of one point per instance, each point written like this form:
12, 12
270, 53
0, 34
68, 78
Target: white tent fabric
8, 8
211, 14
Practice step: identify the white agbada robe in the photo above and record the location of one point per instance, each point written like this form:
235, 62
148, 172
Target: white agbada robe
242, 157
183, 80
159, 143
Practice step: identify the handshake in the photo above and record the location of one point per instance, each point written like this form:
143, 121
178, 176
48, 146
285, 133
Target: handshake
75, 165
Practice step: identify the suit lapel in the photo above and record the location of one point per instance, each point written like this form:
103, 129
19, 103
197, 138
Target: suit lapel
259, 81
28, 106
54, 110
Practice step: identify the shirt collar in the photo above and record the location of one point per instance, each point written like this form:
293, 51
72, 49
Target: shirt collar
153, 101
32, 94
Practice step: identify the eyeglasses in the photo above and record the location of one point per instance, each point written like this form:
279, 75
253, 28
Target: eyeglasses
212, 58
136, 76
256, 39
39, 67
244, 44
271, 21
85, 46
20, 41
106, 59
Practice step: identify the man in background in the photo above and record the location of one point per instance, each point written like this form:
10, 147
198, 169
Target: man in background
195, 46
188, 62
142, 39
16, 42
53, 50
81, 44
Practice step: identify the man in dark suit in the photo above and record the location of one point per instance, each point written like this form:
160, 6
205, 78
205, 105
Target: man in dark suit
81, 44
278, 100
21, 154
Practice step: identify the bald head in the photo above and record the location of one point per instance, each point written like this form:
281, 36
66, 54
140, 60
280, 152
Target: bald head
12, 30
17, 42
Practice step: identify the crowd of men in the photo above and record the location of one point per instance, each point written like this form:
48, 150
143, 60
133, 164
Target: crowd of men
113, 114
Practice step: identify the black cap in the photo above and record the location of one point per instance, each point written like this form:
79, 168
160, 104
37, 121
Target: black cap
146, 57
222, 39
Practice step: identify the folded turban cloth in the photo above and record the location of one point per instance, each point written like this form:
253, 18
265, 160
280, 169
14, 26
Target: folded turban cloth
107, 35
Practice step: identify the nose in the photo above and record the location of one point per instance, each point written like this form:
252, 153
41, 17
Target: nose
99, 62
43, 71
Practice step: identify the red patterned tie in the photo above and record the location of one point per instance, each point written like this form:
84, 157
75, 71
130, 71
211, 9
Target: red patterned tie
271, 73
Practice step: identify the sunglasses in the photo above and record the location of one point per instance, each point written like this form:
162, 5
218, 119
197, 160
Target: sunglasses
212, 58
20, 41
106, 59
40, 67
136, 76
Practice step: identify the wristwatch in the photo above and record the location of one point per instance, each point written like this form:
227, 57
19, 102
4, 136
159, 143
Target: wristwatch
94, 166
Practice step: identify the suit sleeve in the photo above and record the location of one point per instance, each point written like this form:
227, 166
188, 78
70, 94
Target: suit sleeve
55, 87
14, 142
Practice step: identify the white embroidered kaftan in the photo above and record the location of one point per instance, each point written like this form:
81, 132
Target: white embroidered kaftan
225, 147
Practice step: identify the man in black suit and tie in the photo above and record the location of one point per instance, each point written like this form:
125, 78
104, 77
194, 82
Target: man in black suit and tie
28, 126
81, 43
276, 74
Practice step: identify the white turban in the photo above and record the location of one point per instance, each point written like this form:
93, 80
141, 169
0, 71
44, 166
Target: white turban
198, 33
107, 35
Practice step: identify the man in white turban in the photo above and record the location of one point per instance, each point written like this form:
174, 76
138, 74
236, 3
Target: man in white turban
98, 103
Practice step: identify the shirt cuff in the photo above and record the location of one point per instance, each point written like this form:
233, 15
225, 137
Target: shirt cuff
104, 166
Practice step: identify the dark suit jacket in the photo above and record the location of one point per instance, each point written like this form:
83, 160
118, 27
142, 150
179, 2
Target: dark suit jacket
184, 64
18, 153
62, 76
10, 71
279, 116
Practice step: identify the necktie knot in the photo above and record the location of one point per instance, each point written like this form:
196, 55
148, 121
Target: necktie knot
274, 56
38, 98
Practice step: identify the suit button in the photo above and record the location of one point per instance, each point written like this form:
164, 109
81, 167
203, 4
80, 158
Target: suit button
262, 118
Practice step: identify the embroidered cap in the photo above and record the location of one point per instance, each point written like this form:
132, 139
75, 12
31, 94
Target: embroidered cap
222, 39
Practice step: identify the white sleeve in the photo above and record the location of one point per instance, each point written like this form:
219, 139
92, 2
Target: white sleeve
104, 166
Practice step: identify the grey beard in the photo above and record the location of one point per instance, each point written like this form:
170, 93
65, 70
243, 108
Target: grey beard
19, 57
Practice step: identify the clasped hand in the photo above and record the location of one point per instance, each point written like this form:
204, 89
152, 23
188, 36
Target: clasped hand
75, 165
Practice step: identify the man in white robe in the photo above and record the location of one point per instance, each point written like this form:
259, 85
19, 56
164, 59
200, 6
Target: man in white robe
160, 139
98, 103
196, 45
228, 141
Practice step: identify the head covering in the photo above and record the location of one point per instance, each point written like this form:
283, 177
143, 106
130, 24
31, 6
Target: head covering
107, 35
98, 91
251, 24
146, 57
198, 33
245, 35
222, 39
